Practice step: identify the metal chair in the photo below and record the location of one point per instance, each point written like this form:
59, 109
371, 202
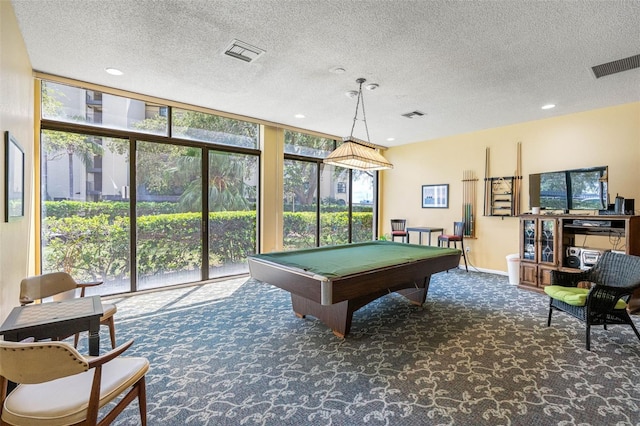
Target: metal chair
457, 236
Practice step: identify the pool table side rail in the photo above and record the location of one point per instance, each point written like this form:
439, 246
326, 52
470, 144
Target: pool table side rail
342, 260
294, 280
391, 278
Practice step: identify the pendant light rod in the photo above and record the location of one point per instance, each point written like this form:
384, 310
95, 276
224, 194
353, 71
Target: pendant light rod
360, 81
354, 153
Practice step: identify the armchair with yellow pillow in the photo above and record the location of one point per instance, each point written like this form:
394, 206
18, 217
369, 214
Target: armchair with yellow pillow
603, 300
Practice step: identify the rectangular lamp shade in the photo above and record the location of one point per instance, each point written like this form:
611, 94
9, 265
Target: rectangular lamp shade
353, 155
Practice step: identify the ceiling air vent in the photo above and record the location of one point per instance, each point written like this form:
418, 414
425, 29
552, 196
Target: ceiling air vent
414, 114
614, 67
243, 51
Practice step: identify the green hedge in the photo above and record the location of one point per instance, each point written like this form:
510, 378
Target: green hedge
93, 242
299, 228
113, 209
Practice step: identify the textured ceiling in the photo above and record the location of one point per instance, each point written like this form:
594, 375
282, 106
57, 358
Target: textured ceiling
468, 65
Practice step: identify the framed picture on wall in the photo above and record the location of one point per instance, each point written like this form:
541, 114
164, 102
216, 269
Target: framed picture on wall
13, 179
435, 196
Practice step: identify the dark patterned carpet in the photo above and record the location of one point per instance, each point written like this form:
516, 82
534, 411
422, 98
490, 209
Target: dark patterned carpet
477, 353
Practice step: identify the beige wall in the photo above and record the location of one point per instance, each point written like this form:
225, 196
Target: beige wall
16, 116
604, 137
271, 189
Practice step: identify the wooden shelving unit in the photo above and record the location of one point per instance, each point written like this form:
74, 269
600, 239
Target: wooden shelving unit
501, 200
502, 194
545, 241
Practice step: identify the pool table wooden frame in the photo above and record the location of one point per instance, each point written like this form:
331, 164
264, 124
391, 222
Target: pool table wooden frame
333, 301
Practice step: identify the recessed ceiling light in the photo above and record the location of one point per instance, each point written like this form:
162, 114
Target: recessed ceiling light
337, 70
549, 106
299, 116
391, 139
113, 71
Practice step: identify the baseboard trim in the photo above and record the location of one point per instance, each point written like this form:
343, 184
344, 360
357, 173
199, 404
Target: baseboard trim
488, 271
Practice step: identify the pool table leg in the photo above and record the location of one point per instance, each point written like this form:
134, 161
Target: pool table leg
337, 316
416, 295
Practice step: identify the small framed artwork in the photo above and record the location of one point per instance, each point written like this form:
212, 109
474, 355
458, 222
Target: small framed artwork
435, 196
13, 179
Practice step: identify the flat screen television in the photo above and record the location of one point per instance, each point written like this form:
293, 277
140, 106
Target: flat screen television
578, 189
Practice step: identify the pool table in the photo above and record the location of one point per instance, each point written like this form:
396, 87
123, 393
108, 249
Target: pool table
331, 283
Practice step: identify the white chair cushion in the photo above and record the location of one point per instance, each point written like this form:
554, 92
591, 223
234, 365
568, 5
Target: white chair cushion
64, 401
108, 310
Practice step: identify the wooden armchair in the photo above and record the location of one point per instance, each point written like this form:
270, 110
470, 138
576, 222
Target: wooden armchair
60, 285
58, 386
612, 281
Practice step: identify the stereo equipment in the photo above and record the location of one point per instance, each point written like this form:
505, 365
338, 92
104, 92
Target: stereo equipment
572, 260
581, 257
629, 206
573, 251
619, 204
589, 257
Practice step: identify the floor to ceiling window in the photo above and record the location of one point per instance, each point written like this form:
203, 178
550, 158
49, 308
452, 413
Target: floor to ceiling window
230, 190
168, 214
323, 204
334, 205
84, 232
300, 228
232, 206
363, 184
167, 218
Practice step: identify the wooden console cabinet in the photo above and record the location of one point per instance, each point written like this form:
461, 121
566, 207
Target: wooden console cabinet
545, 241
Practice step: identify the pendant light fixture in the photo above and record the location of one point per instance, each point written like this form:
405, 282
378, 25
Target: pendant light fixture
355, 153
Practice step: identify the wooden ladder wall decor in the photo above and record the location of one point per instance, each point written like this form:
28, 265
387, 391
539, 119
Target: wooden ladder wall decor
469, 181
502, 194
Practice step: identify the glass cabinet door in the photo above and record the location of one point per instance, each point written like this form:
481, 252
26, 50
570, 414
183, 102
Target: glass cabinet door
547, 241
529, 239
